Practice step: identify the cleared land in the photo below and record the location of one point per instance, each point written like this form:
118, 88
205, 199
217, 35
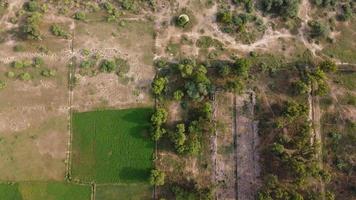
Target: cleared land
112, 146
33, 123
44, 191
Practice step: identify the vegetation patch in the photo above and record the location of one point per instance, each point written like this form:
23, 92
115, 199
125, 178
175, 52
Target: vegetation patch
112, 146
132, 192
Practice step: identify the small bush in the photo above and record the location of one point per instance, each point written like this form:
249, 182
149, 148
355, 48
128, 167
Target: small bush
48, 72
59, 31
80, 16
2, 84
25, 76
108, 66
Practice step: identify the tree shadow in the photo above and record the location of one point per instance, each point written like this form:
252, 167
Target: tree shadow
131, 174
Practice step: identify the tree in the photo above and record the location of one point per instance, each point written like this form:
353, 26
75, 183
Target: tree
158, 132
300, 87
159, 85
207, 110
285, 8
159, 117
242, 67
178, 95
179, 138
157, 177
294, 110
318, 29
183, 20
224, 17
277, 149
186, 70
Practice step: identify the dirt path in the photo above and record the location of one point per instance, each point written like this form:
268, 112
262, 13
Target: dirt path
248, 168
314, 117
225, 159
303, 14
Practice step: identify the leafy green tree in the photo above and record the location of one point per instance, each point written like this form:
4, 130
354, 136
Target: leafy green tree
300, 87
179, 138
277, 149
224, 17
207, 110
157, 177
318, 29
159, 85
159, 117
242, 67
294, 110
186, 70
178, 95
158, 132
285, 8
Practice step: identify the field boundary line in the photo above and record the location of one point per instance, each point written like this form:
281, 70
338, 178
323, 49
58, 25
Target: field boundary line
71, 72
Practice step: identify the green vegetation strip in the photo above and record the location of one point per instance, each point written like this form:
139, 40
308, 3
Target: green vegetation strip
44, 191
112, 146
132, 192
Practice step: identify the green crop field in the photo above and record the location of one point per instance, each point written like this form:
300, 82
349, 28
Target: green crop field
44, 191
127, 192
112, 146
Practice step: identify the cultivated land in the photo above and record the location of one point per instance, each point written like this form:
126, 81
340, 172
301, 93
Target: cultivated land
44, 191
179, 99
112, 146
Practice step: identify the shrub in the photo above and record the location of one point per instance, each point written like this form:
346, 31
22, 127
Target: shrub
108, 66
2, 84
86, 64
10, 74
38, 62
31, 26
25, 76
80, 16
59, 31
328, 66
48, 72
285, 8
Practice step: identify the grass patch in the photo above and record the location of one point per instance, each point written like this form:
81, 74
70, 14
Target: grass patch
44, 191
112, 146
347, 80
344, 47
129, 192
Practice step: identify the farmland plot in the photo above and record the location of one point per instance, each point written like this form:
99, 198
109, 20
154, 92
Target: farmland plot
112, 146
44, 191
